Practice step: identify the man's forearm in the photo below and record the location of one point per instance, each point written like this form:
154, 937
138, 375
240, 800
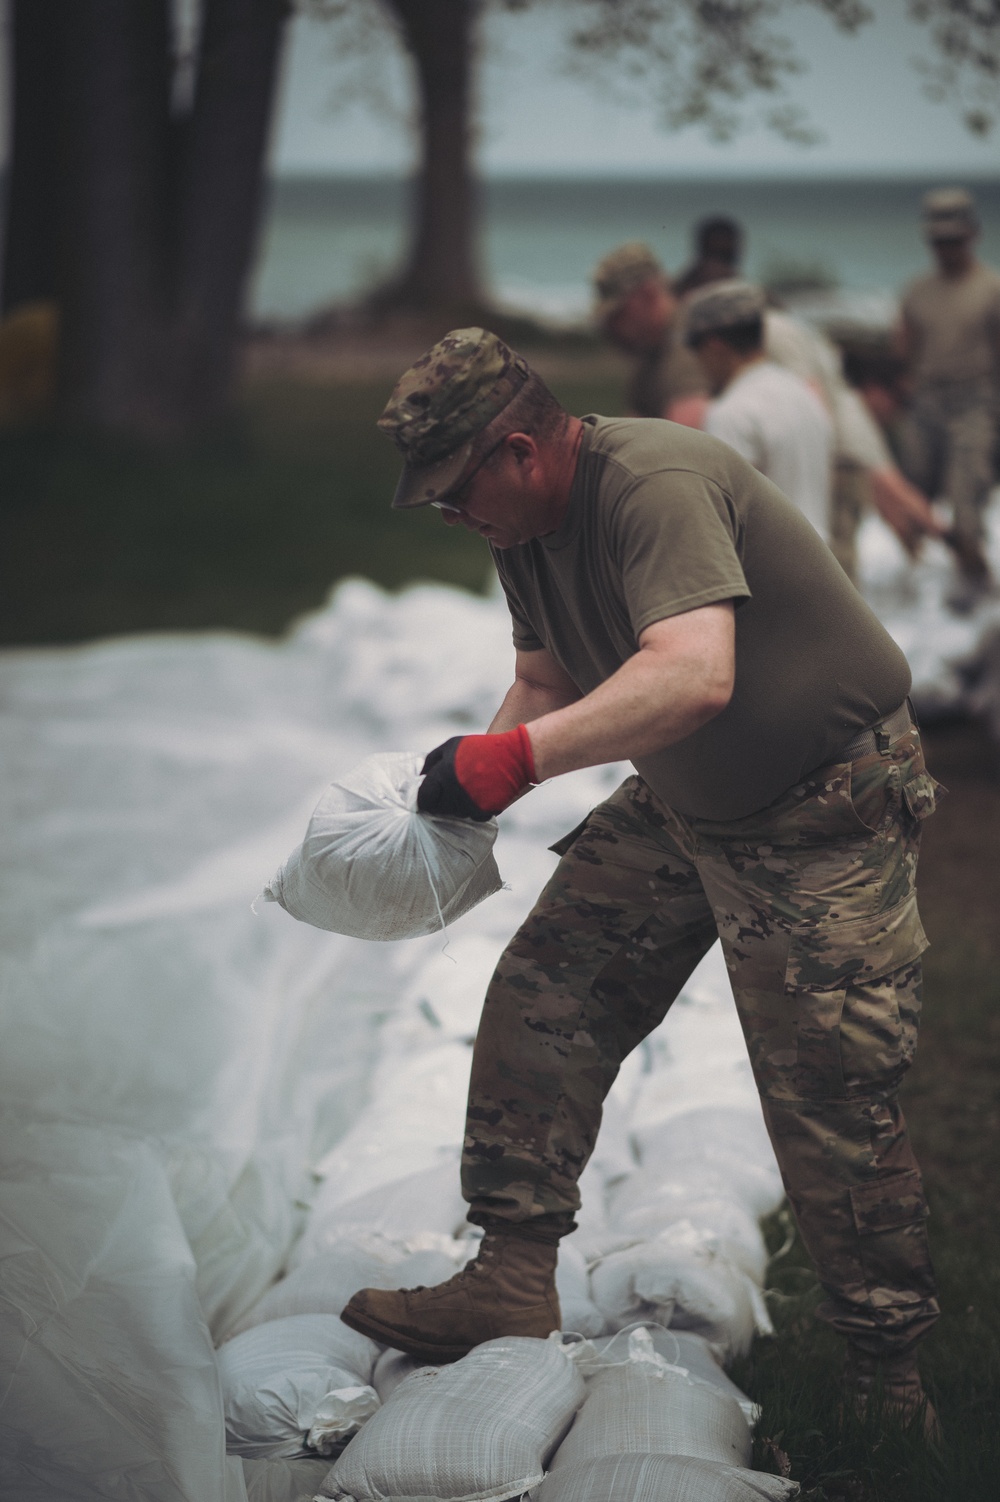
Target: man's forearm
526, 701
648, 704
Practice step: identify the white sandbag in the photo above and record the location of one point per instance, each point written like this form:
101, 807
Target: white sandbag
647, 1405
482, 1428
644, 1208
593, 1237
430, 1200
680, 1279
579, 1313
392, 1368
295, 1385
614, 1156
729, 1142
324, 1284
373, 867
693, 1352
660, 1478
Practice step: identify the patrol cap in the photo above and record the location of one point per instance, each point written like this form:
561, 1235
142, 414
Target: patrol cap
949, 214
731, 304
619, 273
441, 403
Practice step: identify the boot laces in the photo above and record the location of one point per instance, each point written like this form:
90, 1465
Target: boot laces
486, 1255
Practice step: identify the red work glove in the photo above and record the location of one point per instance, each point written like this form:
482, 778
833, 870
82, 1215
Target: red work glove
475, 776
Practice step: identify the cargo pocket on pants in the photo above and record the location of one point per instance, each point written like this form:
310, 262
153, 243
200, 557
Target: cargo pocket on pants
825, 962
920, 795
889, 1216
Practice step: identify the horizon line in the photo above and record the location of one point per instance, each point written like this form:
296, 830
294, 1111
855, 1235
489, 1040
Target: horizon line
667, 174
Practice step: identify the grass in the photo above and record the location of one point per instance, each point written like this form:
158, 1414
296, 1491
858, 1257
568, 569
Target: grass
244, 531
249, 530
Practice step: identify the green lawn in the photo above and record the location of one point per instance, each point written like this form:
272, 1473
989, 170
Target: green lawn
250, 530
246, 531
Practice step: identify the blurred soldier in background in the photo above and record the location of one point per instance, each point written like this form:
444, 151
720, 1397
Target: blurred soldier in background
718, 251
637, 309
949, 334
766, 413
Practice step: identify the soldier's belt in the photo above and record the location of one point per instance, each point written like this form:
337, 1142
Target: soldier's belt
880, 736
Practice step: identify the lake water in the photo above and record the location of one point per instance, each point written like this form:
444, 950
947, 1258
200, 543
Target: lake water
327, 240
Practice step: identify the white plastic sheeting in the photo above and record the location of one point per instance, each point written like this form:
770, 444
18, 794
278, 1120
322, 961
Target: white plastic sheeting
175, 1067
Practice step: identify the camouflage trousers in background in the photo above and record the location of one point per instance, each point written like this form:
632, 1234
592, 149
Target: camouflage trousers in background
946, 447
813, 898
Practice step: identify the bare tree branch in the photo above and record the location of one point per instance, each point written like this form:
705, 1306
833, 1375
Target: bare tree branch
703, 58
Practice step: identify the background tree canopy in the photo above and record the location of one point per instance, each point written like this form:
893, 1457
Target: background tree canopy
139, 143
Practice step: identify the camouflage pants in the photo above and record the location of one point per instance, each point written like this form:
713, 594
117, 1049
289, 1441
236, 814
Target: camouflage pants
946, 444
813, 898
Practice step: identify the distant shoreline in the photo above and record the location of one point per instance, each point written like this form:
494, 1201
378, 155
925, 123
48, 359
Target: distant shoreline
771, 178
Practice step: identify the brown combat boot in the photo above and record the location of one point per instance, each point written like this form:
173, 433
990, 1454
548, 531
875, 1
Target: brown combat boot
894, 1382
509, 1289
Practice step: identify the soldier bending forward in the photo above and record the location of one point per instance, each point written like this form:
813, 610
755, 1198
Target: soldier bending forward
672, 608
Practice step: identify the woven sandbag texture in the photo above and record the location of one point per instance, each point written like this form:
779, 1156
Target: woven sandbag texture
691, 1352
373, 867
660, 1478
639, 1408
480, 1430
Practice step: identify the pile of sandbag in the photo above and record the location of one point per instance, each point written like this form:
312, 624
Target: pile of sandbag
573, 1422
669, 1234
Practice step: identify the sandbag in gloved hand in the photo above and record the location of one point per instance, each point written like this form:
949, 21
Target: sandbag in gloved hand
476, 776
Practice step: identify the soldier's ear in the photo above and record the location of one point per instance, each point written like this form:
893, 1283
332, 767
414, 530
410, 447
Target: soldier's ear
522, 446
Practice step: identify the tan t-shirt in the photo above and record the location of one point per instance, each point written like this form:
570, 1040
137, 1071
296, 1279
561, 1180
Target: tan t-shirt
953, 325
661, 520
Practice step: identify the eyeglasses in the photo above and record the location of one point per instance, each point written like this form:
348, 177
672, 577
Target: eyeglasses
452, 504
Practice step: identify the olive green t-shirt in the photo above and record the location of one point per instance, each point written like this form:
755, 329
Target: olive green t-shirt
661, 520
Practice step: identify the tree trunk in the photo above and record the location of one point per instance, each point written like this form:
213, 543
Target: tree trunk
140, 221
442, 272
221, 190
114, 160
31, 217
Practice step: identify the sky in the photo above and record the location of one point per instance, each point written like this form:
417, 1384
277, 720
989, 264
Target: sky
862, 93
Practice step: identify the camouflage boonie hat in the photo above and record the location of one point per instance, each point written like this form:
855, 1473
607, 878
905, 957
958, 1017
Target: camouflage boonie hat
949, 214
619, 273
722, 305
441, 403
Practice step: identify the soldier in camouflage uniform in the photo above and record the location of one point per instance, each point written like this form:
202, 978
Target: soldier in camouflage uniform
777, 804
949, 333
